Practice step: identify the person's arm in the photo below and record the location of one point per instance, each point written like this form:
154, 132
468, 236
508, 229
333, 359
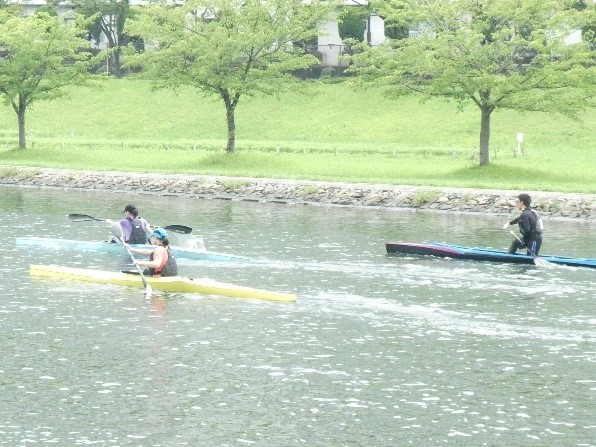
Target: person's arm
140, 251
147, 227
157, 259
511, 222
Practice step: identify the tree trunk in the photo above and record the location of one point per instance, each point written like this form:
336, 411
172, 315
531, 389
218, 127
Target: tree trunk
109, 31
230, 108
485, 134
231, 130
21, 118
116, 65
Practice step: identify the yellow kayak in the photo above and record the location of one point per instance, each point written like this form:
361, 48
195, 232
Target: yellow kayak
204, 286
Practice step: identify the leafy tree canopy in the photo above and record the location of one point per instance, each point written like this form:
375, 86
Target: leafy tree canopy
39, 56
495, 53
351, 22
228, 48
107, 18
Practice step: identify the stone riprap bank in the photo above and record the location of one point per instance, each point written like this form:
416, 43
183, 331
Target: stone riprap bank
552, 205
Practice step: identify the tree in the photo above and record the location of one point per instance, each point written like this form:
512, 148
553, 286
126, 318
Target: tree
351, 22
497, 53
107, 18
228, 48
589, 28
39, 56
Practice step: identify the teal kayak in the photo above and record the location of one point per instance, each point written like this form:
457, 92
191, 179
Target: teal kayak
111, 247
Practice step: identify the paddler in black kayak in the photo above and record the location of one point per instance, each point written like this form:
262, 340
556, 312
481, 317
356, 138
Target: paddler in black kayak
528, 222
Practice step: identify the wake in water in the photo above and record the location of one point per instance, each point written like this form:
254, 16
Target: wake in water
384, 313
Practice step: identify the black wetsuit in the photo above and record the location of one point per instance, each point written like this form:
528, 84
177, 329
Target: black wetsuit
531, 235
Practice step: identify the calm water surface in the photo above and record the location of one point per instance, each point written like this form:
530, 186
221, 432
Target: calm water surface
377, 351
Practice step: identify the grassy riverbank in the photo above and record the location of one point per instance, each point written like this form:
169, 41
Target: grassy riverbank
333, 134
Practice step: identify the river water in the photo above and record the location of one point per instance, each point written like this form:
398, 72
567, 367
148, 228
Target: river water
377, 350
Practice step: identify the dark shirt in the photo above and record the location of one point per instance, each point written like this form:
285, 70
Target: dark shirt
527, 221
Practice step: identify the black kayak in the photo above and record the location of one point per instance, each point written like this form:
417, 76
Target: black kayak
480, 254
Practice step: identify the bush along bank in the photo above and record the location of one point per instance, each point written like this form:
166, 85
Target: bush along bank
551, 205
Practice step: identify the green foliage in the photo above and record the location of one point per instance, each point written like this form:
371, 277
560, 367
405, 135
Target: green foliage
351, 22
233, 185
481, 53
589, 26
9, 173
395, 31
309, 190
423, 197
50, 7
41, 55
19, 174
107, 18
227, 48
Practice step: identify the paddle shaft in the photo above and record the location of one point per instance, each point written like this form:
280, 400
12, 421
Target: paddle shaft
145, 283
182, 229
524, 245
537, 259
148, 289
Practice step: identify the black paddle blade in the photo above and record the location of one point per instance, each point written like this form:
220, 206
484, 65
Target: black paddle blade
182, 229
83, 218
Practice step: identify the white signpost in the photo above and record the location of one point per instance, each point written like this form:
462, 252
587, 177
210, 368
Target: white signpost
520, 140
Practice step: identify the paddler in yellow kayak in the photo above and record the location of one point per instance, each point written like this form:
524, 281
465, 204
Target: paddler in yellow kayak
161, 260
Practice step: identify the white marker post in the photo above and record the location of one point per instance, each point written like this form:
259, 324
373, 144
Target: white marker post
520, 140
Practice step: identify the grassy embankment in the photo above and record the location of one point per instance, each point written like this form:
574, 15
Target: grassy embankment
335, 134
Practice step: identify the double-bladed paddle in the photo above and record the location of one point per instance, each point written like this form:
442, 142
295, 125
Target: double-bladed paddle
182, 229
118, 233
537, 259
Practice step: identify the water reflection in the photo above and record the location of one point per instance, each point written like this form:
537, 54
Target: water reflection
11, 200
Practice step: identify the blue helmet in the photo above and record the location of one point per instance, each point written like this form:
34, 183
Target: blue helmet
159, 233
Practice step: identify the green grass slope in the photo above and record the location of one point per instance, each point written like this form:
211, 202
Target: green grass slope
331, 133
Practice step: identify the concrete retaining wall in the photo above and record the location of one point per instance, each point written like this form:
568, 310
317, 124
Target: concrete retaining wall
552, 205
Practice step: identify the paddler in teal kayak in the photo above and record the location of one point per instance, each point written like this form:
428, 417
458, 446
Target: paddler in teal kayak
135, 228
161, 260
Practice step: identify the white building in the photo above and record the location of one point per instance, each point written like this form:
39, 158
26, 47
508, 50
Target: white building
30, 6
331, 46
